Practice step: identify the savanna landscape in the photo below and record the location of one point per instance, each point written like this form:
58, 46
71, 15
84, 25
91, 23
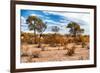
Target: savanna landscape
55, 39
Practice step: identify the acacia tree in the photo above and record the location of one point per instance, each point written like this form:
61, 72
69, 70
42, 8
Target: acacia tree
74, 29
32, 22
36, 24
40, 27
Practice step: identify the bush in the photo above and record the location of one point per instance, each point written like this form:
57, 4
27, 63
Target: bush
35, 54
83, 44
71, 51
81, 58
82, 38
24, 54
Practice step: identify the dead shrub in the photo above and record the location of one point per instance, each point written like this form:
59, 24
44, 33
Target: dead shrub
43, 48
24, 54
71, 51
35, 54
81, 58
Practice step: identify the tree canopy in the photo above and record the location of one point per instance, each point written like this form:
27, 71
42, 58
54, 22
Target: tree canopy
75, 28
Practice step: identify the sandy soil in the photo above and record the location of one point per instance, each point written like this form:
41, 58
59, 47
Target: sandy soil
30, 53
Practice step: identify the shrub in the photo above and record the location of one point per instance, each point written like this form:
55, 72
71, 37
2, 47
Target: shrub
81, 58
83, 44
43, 48
24, 54
71, 51
35, 54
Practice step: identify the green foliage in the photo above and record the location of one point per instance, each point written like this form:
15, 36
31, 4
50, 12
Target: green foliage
32, 21
75, 28
36, 24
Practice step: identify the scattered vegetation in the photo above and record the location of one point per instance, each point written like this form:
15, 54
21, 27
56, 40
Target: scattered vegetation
62, 40
52, 40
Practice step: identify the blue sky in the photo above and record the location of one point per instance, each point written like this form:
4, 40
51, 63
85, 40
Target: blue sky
60, 19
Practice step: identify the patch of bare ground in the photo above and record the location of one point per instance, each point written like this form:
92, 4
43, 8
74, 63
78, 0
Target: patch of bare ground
30, 53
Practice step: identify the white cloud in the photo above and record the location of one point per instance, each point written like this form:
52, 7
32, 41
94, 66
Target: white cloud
81, 16
23, 24
23, 20
46, 12
33, 14
38, 15
77, 17
50, 12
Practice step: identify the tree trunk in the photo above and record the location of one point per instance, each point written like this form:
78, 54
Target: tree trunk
39, 44
75, 35
35, 37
